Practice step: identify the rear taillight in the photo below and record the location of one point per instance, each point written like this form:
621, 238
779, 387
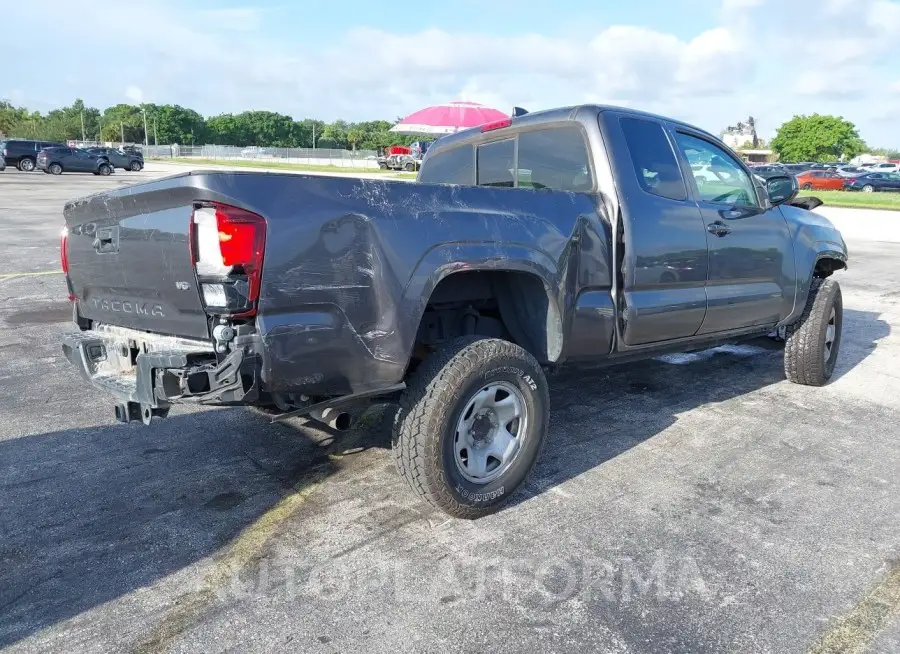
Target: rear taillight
64, 260
227, 245
63, 250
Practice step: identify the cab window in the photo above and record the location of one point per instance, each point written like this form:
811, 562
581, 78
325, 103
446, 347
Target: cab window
496, 163
453, 166
554, 158
726, 182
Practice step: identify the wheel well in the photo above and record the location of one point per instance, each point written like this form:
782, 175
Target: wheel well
503, 304
826, 266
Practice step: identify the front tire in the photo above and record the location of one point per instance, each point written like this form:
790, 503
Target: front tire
807, 187
812, 343
868, 188
471, 425
136, 166
105, 170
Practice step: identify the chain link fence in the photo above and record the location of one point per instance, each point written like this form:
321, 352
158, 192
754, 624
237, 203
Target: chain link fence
307, 156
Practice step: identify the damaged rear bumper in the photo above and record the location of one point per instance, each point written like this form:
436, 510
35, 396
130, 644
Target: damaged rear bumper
153, 371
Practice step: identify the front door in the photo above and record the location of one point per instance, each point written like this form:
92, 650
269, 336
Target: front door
751, 257
82, 161
664, 268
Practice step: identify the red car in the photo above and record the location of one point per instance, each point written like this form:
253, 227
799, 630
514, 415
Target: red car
820, 180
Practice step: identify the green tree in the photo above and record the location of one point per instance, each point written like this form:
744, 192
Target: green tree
817, 138
123, 119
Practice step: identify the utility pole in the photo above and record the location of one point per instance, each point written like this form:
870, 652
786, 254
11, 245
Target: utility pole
83, 137
146, 142
155, 139
122, 127
314, 135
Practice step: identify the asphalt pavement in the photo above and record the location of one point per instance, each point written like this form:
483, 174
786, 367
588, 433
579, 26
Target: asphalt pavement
694, 503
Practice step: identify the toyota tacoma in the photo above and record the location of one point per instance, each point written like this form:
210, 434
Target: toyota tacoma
575, 234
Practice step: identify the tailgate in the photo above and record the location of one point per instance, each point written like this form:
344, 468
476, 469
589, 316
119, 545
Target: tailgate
130, 261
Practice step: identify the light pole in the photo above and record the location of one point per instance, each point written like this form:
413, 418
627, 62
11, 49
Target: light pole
143, 109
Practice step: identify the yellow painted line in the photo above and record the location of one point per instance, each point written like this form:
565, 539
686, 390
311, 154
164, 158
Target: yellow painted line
30, 274
246, 548
855, 630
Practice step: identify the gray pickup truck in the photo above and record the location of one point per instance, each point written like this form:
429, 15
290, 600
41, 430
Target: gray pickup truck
577, 234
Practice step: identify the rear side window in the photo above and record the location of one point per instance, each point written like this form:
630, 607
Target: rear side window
653, 159
554, 158
496, 163
450, 167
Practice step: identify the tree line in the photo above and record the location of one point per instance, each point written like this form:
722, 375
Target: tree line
168, 124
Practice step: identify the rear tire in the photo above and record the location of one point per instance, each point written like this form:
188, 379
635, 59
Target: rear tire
55, 169
453, 439
813, 342
26, 164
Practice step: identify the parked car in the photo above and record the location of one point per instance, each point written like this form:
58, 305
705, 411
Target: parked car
850, 171
820, 180
765, 172
120, 159
874, 182
796, 169
575, 234
883, 168
57, 160
22, 153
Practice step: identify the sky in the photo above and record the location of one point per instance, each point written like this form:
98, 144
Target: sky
708, 62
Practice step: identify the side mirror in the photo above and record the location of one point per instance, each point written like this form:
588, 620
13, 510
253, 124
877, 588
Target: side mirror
781, 189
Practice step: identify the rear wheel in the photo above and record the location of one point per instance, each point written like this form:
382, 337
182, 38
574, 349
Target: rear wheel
471, 424
812, 343
26, 164
105, 169
55, 169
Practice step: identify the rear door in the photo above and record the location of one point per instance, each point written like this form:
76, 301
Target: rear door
82, 161
665, 261
751, 257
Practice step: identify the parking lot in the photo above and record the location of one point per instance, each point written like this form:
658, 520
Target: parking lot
692, 503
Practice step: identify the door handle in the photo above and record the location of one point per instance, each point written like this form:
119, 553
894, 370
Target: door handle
718, 228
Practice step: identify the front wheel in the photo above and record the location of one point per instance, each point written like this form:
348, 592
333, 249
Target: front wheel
105, 170
812, 343
410, 167
136, 166
868, 188
471, 424
807, 186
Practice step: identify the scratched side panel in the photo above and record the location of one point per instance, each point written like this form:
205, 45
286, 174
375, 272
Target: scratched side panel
350, 265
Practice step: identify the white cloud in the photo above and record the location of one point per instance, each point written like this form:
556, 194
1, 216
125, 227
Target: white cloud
768, 58
134, 94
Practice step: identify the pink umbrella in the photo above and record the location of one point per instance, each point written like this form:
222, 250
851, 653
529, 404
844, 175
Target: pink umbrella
448, 118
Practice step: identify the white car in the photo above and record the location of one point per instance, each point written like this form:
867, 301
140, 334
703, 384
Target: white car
882, 168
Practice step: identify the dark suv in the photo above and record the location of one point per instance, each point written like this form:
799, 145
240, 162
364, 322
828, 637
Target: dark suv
133, 160
61, 159
23, 153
